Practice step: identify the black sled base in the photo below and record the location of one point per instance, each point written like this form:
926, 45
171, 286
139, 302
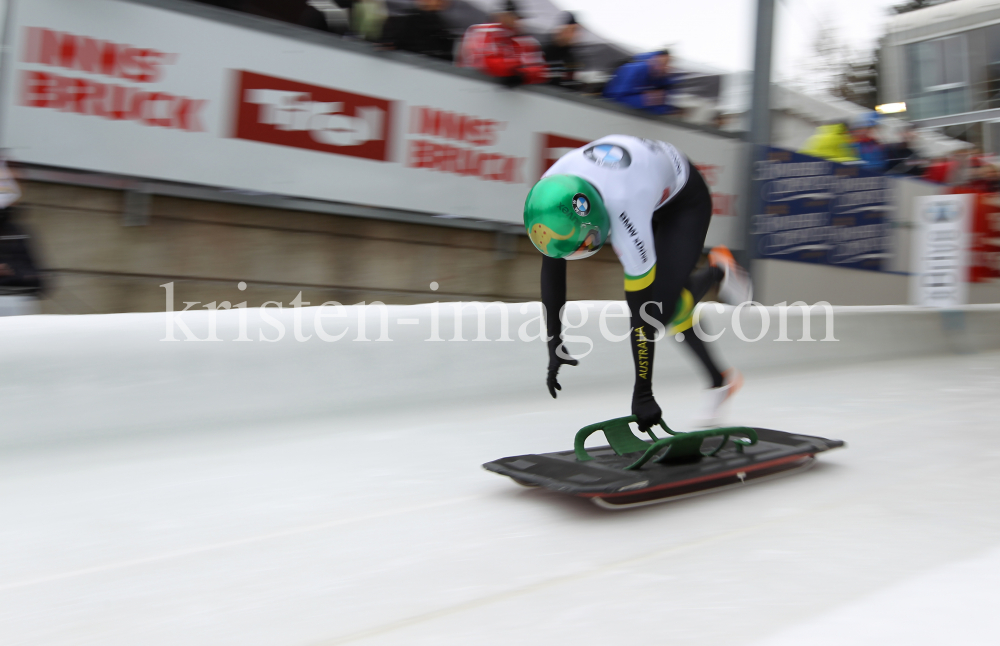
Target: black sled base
632, 472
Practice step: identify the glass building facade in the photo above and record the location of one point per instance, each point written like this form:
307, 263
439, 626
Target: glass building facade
953, 74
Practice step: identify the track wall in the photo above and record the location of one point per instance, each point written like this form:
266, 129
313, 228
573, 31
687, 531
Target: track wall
78, 377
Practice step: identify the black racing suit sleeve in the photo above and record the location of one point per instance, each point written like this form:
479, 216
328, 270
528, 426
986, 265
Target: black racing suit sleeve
553, 299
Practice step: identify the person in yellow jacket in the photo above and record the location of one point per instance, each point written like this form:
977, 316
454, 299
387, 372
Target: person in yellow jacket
833, 142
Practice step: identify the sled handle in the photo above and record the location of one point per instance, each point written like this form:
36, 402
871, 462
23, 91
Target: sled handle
688, 445
619, 435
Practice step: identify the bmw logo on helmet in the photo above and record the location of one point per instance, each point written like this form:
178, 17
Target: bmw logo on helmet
581, 204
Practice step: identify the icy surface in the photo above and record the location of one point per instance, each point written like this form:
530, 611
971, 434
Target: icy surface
382, 528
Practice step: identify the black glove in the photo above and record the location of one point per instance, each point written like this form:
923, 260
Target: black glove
647, 412
554, 362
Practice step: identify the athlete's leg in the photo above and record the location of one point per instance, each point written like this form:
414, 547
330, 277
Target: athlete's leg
724, 383
700, 350
698, 285
679, 234
735, 286
702, 280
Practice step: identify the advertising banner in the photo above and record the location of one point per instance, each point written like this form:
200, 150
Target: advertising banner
821, 212
984, 265
940, 257
118, 87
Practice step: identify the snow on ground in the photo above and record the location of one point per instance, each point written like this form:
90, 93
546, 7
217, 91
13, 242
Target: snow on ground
381, 528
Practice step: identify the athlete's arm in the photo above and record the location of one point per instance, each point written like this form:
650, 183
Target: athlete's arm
553, 300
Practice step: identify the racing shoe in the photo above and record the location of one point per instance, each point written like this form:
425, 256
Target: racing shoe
735, 287
715, 399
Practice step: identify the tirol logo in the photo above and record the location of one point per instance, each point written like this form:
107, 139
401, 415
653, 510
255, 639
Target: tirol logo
608, 155
288, 113
581, 204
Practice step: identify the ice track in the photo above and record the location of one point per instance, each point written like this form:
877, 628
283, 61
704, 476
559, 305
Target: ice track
374, 525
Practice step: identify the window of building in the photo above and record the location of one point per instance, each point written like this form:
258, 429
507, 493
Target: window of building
938, 77
990, 95
991, 142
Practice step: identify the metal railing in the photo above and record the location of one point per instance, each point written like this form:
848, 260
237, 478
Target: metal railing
942, 102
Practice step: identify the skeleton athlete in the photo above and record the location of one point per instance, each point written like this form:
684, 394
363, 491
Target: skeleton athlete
654, 206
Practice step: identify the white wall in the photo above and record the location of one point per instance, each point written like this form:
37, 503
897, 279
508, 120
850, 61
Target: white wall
344, 129
82, 376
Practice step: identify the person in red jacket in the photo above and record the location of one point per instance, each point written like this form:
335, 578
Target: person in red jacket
499, 49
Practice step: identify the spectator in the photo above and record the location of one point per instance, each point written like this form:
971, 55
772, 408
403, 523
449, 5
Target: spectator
18, 275
959, 169
969, 162
988, 180
368, 19
560, 52
867, 146
831, 141
423, 30
943, 170
645, 83
901, 158
499, 49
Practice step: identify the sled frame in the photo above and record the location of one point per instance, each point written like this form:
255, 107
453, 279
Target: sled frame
680, 447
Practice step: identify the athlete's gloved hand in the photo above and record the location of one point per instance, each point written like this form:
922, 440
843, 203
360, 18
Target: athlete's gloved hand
556, 348
647, 412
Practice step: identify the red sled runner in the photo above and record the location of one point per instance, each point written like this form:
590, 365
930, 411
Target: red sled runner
632, 472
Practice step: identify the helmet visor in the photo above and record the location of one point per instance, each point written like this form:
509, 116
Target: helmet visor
591, 244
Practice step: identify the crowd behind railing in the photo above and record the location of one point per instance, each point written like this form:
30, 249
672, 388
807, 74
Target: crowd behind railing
502, 47
874, 146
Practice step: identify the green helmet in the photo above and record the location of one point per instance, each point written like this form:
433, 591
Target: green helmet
565, 217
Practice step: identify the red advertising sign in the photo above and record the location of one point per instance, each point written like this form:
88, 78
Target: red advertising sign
452, 142
985, 258
75, 73
555, 146
288, 113
722, 203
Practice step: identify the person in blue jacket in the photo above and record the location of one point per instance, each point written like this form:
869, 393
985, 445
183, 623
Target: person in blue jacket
867, 147
645, 83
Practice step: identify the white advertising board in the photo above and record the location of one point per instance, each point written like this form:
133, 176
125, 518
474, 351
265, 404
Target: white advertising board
123, 88
940, 257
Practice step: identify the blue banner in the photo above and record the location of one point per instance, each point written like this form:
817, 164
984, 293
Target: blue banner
821, 212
